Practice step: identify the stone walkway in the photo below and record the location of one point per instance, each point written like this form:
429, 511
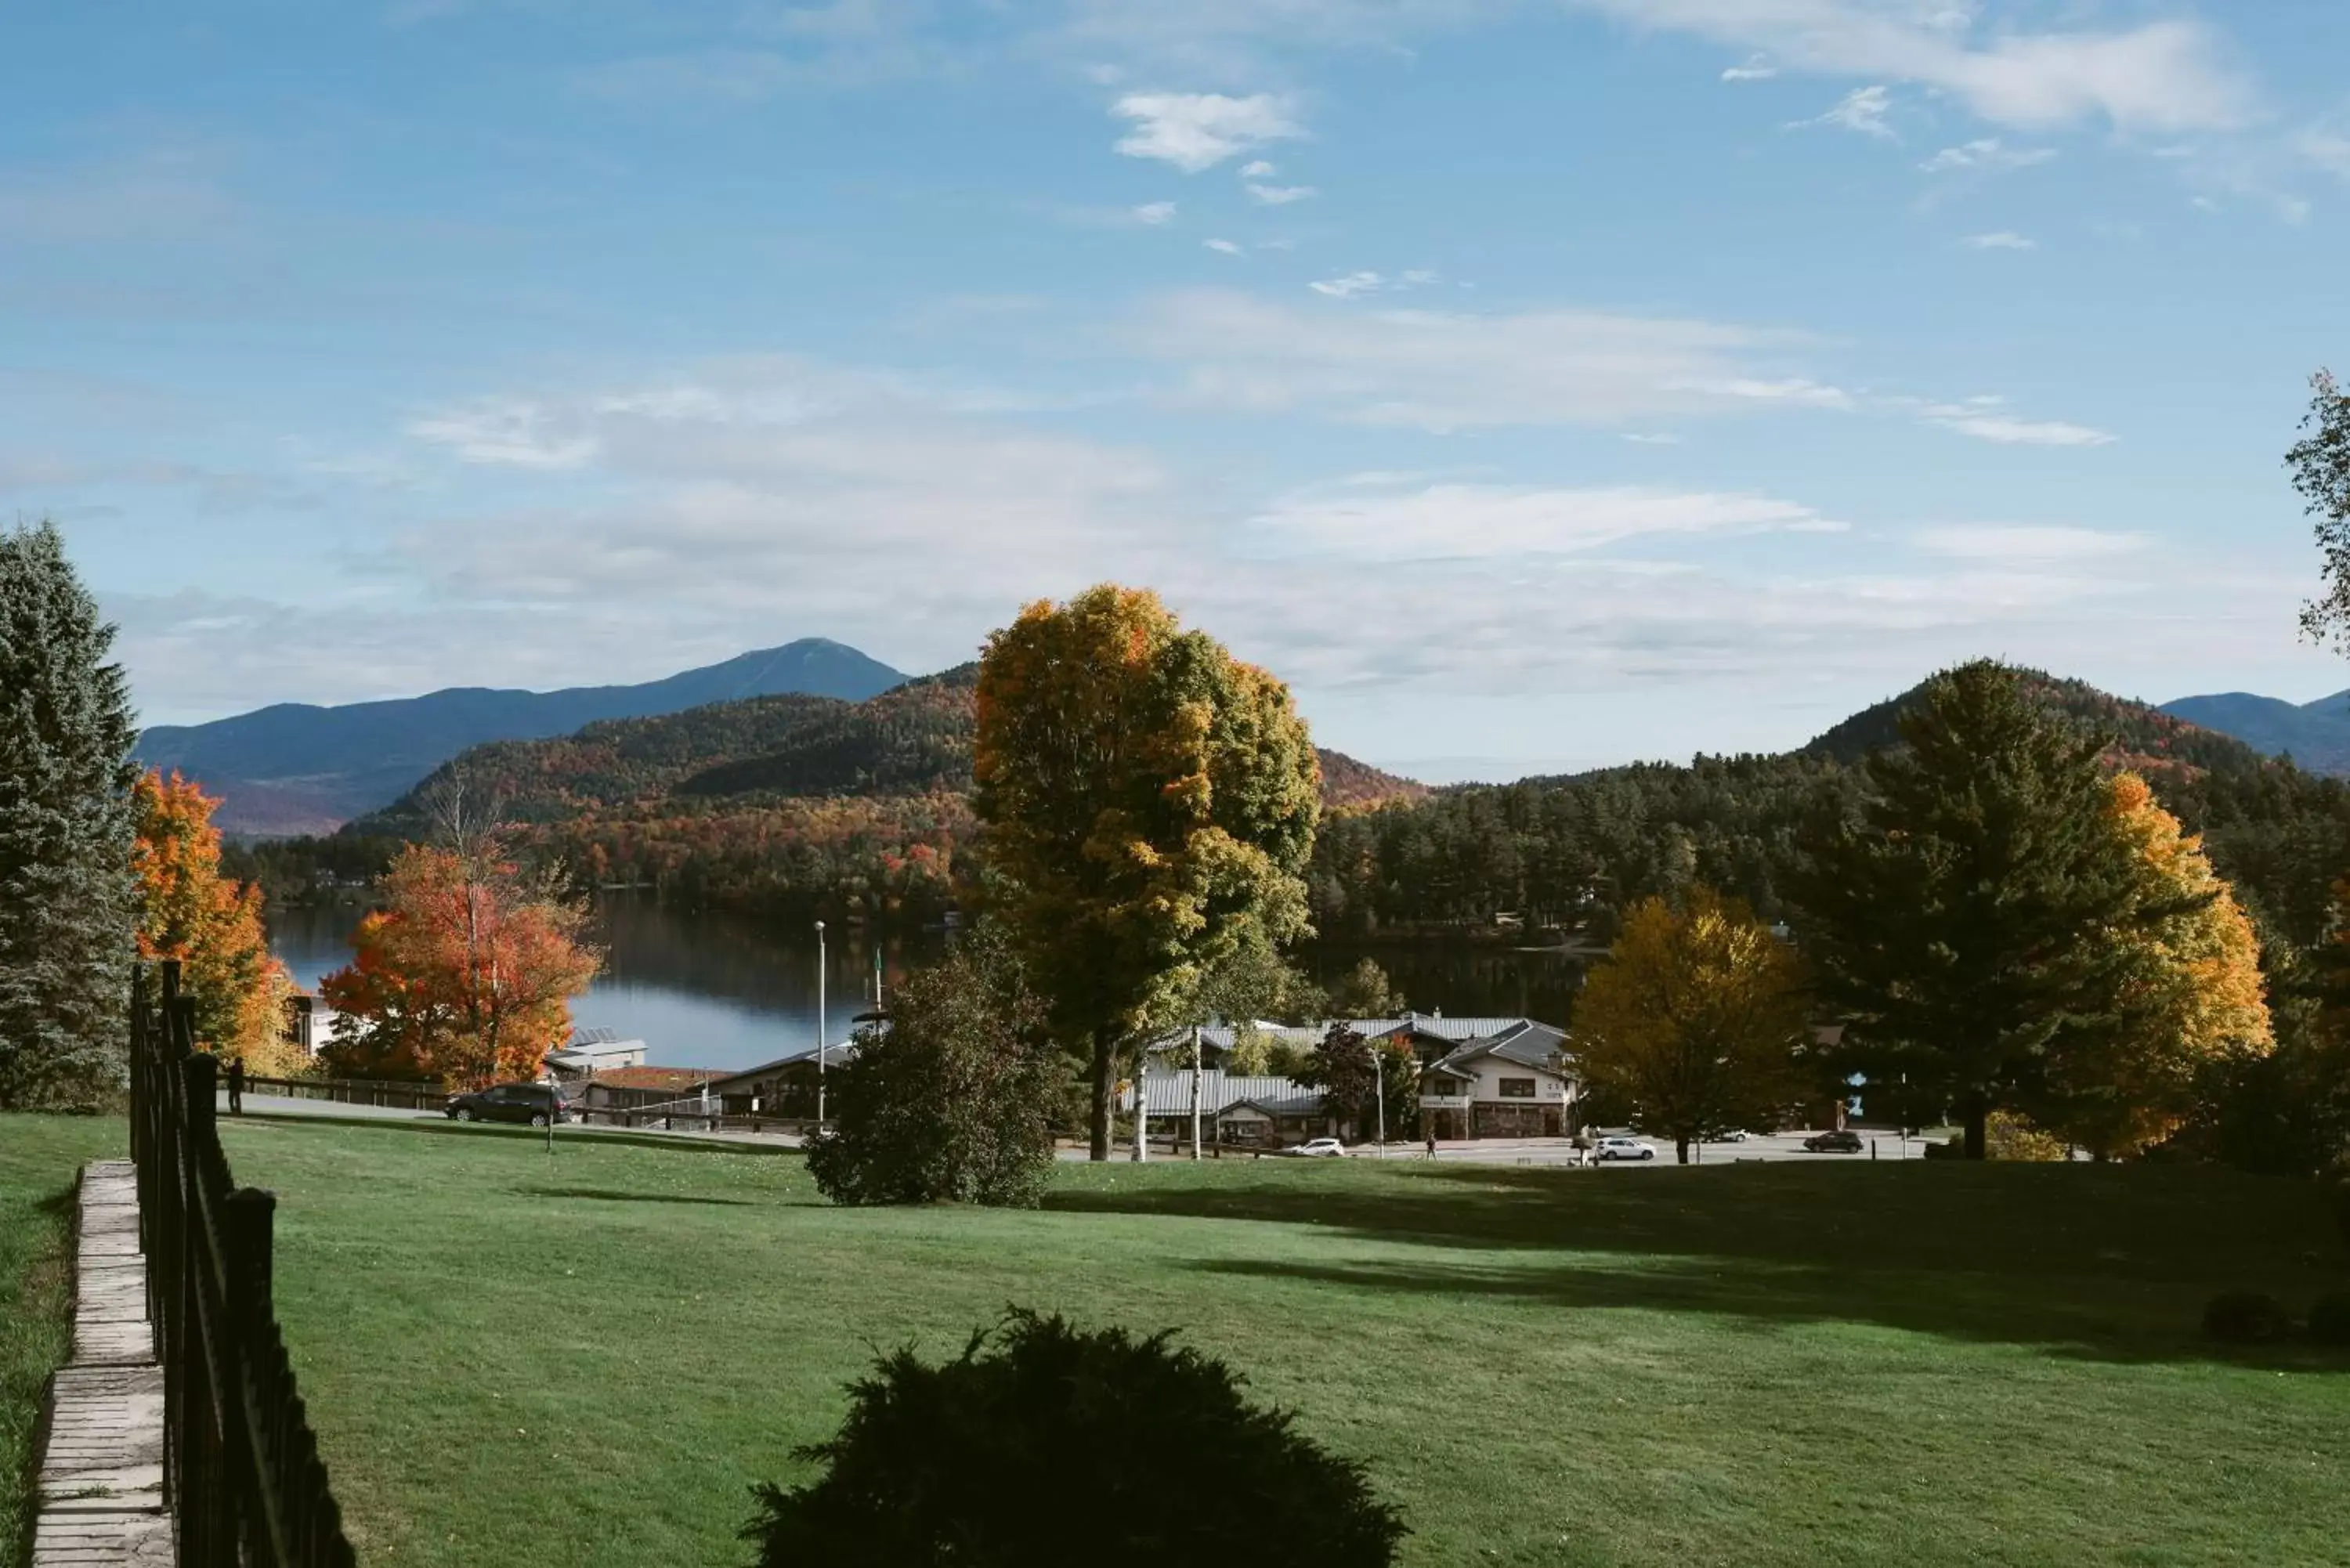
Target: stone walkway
102, 1470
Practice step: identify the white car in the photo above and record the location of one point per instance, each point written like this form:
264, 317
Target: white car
1735, 1134
1320, 1148
1626, 1149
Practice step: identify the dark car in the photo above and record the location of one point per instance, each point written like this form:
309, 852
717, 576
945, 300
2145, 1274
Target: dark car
532, 1103
1844, 1142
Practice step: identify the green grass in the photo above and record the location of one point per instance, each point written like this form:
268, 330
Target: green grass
39, 1157
589, 1357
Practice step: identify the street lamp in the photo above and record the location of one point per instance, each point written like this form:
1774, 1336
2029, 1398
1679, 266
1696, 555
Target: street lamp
819, 1026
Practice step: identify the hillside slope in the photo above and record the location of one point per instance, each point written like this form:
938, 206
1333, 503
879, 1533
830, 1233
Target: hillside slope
299, 768
2142, 733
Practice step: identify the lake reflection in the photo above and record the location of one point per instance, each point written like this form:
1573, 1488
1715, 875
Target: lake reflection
704, 989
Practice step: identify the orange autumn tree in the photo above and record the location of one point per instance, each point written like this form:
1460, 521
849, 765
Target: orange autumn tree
2195, 994
212, 924
465, 973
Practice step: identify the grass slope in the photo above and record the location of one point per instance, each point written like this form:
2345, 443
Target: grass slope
588, 1357
39, 1157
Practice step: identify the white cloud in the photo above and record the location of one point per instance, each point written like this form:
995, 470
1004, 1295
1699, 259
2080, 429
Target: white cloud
1986, 152
1985, 420
1446, 370
506, 433
1347, 286
1757, 69
1863, 109
1223, 248
2026, 546
1279, 195
1652, 438
1154, 214
2160, 76
2001, 240
1441, 522
1199, 131
1258, 170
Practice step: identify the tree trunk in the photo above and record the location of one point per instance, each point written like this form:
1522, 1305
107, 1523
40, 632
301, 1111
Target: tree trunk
1680, 1147
1105, 1096
1977, 1113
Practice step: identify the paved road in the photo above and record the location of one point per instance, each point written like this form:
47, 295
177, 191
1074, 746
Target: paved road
1483, 1151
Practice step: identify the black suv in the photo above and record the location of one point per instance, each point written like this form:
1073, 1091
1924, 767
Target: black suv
532, 1103
1844, 1142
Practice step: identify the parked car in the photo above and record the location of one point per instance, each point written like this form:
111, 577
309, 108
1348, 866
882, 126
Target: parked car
1320, 1148
1735, 1134
532, 1103
1626, 1149
1844, 1142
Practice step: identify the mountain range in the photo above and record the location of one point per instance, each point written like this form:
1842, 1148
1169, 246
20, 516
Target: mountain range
2316, 735
296, 768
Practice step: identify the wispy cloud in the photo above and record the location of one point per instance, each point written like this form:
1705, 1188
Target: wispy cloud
1258, 169
2025, 546
1199, 131
2001, 240
1986, 419
1154, 214
1757, 69
1438, 522
1863, 109
1347, 286
1223, 248
1988, 152
1279, 195
506, 433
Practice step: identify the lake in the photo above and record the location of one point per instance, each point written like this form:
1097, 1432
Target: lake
706, 989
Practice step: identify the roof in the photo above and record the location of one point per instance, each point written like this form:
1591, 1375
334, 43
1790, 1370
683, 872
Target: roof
1523, 1042
675, 1078
1434, 1026
840, 1051
1170, 1094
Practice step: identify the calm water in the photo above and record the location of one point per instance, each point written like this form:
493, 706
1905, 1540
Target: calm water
708, 990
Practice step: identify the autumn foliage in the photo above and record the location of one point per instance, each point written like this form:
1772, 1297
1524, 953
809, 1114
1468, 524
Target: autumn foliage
465, 973
212, 924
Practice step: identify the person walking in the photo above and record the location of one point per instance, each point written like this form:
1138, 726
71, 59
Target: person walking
1583, 1146
236, 1085
1431, 1143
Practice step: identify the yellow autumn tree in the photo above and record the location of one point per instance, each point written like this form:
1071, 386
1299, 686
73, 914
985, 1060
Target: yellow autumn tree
1697, 1020
2194, 995
212, 924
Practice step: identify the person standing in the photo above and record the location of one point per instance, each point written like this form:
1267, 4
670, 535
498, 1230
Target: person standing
236, 1085
1431, 1142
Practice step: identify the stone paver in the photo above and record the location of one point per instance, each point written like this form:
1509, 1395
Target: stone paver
101, 1480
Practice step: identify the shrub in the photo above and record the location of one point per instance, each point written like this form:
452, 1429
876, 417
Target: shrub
952, 1102
2008, 1136
2329, 1319
2246, 1317
1044, 1446
2341, 1210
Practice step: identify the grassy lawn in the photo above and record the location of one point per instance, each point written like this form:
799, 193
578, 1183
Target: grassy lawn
589, 1357
38, 1159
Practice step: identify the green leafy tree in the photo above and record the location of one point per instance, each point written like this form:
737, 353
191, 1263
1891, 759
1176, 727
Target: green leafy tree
1366, 991
2319, 462
1342, 1068
951, 1102
1148, 806
1696, 1019
1972, 924
67, 909
1046, 1446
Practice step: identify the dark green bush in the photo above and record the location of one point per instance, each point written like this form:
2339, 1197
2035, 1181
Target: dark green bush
952, 1103
2329, 1319
2246, 1317
1045, 1446
2341, 1196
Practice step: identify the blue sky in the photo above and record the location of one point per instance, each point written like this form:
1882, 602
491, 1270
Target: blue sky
1535, 385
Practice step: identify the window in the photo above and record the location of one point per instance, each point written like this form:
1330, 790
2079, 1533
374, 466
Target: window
1517, 1088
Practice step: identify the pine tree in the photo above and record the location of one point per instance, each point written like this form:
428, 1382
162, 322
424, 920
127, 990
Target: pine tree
1974, 923
66, 909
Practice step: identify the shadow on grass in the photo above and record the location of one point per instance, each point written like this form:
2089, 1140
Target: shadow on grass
426, 1124
2109, 1262
604, 1195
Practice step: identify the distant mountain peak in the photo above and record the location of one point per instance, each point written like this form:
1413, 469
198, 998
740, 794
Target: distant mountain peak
301, 768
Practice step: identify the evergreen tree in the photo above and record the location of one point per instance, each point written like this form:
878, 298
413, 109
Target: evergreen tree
1971, 924
66, 902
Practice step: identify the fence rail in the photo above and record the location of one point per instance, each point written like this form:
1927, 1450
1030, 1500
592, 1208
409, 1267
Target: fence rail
415, 1094
241, 1466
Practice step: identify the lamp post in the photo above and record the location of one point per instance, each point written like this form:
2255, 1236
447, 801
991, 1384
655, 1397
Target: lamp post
819, 1026
1379, 1077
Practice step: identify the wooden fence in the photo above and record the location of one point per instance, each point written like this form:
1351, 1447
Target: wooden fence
414, 1095
241, 1468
